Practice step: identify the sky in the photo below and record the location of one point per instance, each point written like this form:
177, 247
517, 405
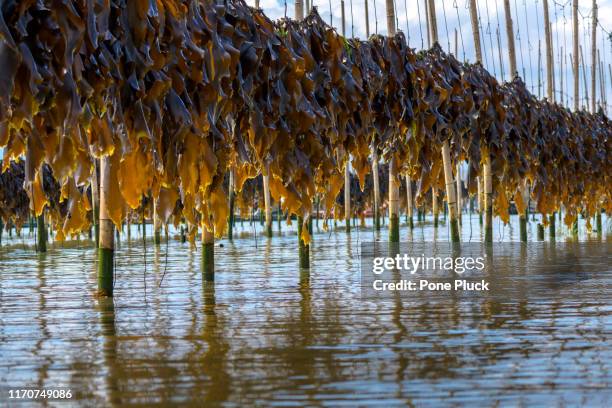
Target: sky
527, 16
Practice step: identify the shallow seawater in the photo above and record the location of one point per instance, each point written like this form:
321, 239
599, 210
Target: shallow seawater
266, 333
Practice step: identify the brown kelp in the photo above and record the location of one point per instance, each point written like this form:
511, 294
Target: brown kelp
176, 92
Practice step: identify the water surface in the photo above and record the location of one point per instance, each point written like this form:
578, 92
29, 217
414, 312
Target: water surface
267, 334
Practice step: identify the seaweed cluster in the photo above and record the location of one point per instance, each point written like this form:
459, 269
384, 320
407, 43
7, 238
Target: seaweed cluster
177, 92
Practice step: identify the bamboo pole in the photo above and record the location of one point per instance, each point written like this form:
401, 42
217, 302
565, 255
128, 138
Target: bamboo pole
409, 205
451, 195
584, 78
487, 181
41, 233
510, 35
434, 206
304, 249
594, 57
367, 19
488, 199
347, 196
550, 84
95, 198
156, 224
513, 73
393, 165
451, 198
107, 243
208, 254
475, 30
575, 55
459, 198
267, 200
376, 180
1, 230
343, 18
347, 174
299, 10
550, 75
232, 200
480, 198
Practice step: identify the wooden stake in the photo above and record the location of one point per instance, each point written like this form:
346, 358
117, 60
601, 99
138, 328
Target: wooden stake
107, 243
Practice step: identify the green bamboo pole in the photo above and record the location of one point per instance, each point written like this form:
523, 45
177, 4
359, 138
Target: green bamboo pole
551, 226
107, 244
488, 192
393, 202
267, 200
230, 218
208, 254
597, 223
376, 181
1, 230
41, 233
540, 232
347, 195
434, 205
303, 248
95, 202
451, 197
156, 225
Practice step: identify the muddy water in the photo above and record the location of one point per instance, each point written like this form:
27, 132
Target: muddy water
265, 333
